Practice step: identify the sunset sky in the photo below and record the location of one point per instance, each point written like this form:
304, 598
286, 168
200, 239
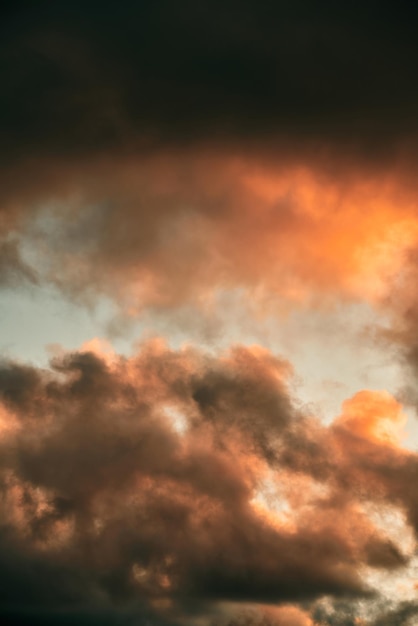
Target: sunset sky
208, 313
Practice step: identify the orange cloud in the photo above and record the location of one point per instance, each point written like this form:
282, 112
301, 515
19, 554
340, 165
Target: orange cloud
141, 232
374, 415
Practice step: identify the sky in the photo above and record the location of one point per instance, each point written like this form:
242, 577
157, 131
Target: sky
208, 313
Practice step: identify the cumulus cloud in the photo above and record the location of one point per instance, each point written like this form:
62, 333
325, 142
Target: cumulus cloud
107, 502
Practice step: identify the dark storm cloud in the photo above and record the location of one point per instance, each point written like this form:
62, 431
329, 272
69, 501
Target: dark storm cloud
69, 617
87, 76
19, 385
107, 503
129, 122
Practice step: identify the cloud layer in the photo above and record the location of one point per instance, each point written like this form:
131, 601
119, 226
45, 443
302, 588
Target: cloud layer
115, 76
172, 158
169, 153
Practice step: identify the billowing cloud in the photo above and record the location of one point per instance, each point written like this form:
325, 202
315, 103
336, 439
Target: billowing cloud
141, 482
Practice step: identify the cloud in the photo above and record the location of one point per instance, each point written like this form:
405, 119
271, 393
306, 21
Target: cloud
13, 269
179, 230
343, 614
107, 503
102, 78
169, 154
166, 157
281, 616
